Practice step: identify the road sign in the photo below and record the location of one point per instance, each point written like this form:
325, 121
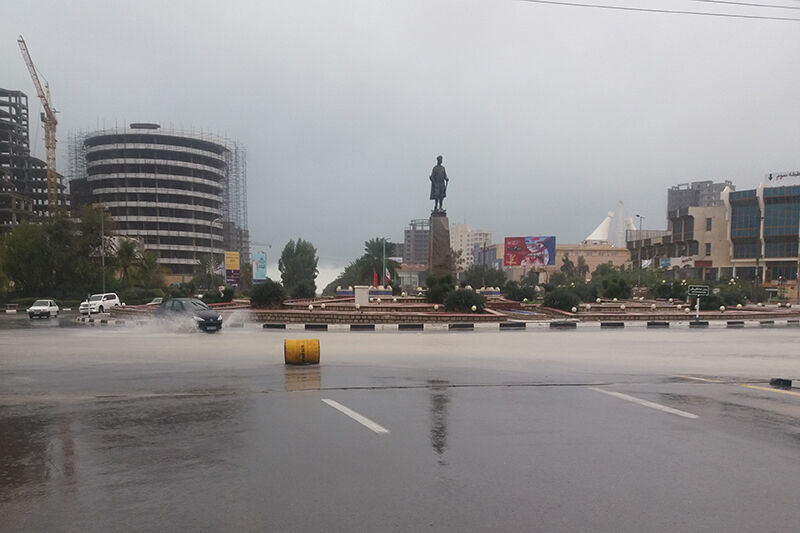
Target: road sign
698, 290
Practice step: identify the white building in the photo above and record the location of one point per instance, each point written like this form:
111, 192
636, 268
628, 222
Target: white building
463, 239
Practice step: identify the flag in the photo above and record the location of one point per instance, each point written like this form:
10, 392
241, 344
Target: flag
388, 276
374, 279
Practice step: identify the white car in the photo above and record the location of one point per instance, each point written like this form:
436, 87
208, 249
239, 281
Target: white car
99, 303
43, 309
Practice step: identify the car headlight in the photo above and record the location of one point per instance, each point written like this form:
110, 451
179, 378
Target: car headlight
198, 319
219, 317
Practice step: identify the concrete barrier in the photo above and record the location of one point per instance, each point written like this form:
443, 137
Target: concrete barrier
698, 324
463, 326
793, 323
318, 327
767, 323
362, 327
274, 326
735, 323
657, 324
609, 325
512, 325
409, 327
563, 324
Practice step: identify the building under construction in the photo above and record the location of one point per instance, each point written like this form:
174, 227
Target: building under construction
181, 194
23, 178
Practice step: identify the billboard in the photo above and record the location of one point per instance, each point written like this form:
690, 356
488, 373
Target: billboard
232, 268
260, 267
530, 251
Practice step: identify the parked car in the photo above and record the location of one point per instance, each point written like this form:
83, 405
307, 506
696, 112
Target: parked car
99, 303
155, 301
206, 319
43, 309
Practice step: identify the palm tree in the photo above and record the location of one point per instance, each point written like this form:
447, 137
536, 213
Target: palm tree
127, 256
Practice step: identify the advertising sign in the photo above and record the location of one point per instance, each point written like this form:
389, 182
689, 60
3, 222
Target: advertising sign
260, 267
777, 179
232, 268
665, 262
530, 251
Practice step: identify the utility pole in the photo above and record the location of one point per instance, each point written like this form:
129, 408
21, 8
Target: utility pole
103, 245
641, 238
383, 274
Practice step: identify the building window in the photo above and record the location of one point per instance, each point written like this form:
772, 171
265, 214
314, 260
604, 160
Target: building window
708, 225
708, 247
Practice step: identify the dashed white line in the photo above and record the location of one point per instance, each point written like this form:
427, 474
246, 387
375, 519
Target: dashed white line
646, 403
705, 380
361, 419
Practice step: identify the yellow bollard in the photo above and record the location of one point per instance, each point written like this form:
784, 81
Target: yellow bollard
301, 351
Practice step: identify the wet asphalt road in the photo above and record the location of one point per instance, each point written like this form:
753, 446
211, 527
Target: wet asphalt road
145, 429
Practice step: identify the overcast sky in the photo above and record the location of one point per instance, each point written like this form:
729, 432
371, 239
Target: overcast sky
546, 115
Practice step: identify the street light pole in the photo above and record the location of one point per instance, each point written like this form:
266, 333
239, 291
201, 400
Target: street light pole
641, 238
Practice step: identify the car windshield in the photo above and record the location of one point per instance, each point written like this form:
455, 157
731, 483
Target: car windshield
41, 303
197, 304
96, 298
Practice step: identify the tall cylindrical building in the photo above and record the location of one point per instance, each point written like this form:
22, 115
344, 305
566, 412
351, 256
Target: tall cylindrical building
167, 189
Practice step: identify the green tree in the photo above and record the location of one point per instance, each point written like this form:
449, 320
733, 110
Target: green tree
530, 279
568, 267
483, 276
362, 271
462, 301
298, 263
582, 268
206, 276
28, 259
149, 272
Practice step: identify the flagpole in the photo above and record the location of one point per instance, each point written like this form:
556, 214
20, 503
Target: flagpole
383, 272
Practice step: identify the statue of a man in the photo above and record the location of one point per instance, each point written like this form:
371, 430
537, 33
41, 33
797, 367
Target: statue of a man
439, 181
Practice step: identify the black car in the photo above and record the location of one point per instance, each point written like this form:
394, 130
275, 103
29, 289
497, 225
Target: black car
205, 318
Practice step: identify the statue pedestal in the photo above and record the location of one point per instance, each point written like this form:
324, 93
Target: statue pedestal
439, 250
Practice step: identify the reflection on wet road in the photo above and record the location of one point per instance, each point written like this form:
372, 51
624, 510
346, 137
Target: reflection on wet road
148, 430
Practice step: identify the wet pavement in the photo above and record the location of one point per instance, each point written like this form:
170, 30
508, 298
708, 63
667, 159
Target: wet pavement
148, 429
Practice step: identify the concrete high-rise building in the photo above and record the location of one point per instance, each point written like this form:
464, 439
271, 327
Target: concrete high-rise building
696, 194
24, 176
416, 242
463, 239
182, 195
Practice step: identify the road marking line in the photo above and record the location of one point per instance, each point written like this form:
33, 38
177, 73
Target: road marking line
363, 420
706, 380
646, 403
769, 389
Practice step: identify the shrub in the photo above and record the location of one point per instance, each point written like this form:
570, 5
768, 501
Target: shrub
267, 294
586, 292
563, 299
616, 287
462, 301
514, 291
439, 287
708, 303
214, 297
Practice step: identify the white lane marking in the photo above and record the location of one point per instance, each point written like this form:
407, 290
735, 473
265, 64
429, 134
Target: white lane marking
646, 403
705, 380
363, 420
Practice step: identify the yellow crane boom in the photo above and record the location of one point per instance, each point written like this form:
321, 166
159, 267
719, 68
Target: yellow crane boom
50, 122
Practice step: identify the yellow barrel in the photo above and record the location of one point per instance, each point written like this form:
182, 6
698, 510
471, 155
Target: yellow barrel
301, 351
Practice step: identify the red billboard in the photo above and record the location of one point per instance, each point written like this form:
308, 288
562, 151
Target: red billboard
530, 251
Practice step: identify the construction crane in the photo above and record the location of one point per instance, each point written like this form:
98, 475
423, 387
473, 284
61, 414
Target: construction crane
50, 122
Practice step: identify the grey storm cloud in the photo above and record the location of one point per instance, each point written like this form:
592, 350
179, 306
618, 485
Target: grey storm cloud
546, 115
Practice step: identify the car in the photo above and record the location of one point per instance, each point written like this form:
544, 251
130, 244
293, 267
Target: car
155, 301
99, 303
43, 309
206, 319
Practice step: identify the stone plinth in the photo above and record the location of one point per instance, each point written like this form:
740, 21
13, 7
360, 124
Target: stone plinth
439, 251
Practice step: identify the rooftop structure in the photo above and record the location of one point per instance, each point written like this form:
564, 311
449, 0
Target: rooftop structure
696, 194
